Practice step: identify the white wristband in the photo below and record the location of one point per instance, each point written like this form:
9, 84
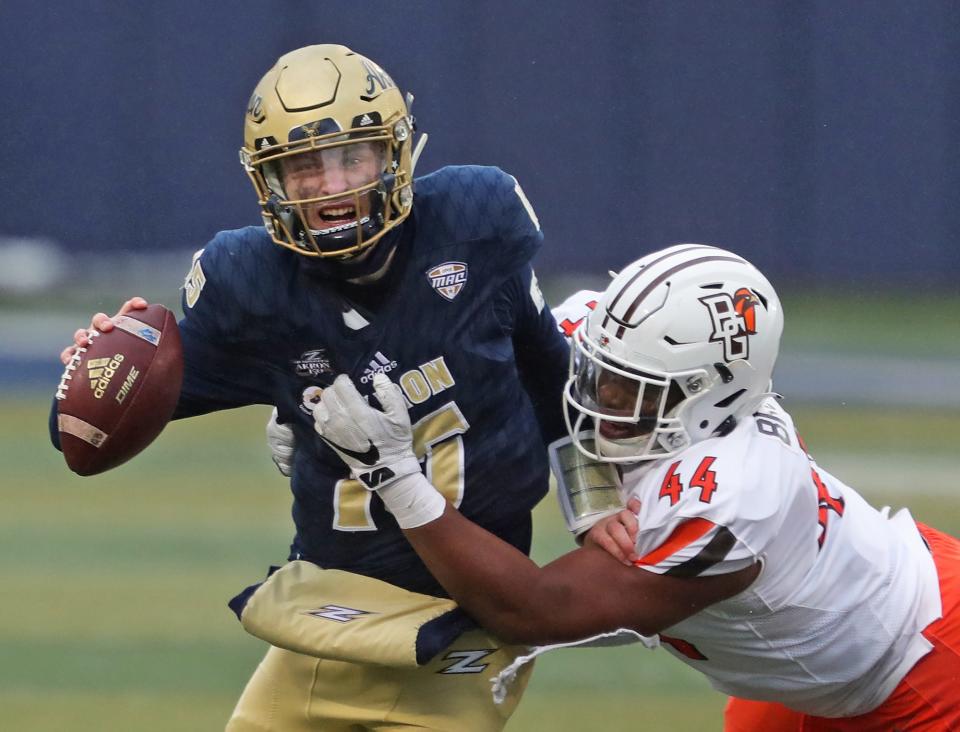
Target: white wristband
413, 501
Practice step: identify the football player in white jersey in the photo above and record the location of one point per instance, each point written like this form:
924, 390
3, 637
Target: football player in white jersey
745, 559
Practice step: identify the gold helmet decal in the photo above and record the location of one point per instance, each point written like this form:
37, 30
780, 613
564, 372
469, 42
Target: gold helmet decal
328, 147
255, 108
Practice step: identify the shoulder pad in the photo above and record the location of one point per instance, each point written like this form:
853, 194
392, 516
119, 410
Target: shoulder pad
574, 310
231, 277
472, 203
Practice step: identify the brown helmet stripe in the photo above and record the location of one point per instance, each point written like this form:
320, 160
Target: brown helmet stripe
622, 324
625, 319
626, 287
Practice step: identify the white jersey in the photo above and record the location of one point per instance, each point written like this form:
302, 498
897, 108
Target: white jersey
833, 622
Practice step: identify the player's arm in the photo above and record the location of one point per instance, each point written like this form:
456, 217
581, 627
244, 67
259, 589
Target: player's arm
224, 366
542, 354
578, 595
217, 377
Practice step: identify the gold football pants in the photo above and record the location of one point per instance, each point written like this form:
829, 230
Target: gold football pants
291, 692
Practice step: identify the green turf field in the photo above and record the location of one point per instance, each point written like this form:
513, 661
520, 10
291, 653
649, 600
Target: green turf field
114, 587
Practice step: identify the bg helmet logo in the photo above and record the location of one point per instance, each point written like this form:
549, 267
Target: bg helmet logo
743, 304
734, 319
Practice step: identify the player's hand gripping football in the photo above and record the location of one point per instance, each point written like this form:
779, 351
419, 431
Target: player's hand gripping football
102, 323
378, 447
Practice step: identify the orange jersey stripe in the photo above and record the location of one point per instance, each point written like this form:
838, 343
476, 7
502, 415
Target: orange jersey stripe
685, 534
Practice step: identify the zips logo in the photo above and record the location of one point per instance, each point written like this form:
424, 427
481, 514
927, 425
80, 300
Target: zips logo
338, 613
313, 363
379, 364
448, 279
467, 662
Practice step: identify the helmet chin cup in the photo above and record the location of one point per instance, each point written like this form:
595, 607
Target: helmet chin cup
627, 448
668, 438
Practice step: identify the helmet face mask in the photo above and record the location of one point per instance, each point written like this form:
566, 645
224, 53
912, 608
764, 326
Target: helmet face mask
635, 412
328, 148
681, 345
329, 196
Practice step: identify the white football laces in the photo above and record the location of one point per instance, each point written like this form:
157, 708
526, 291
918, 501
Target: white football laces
71, 366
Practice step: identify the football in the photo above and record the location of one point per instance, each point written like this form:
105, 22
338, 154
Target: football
117, 394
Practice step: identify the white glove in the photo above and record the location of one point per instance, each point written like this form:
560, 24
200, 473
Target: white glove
378, 447
282, 444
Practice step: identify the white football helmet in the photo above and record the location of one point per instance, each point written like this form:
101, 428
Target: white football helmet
681, 345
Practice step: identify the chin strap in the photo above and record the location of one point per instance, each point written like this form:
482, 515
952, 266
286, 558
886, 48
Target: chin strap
421, 141
417, 149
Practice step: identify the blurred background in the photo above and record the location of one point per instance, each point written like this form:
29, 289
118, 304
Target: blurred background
819, 139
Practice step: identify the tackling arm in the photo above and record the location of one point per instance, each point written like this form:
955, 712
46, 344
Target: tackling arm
582, 593
578, 595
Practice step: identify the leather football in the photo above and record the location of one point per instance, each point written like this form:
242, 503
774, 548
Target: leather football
117, 394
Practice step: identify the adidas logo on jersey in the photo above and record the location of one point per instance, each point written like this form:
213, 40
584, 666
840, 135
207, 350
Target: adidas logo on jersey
379, 364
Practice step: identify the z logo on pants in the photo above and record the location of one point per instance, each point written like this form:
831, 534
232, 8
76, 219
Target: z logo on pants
463, 662
338, 613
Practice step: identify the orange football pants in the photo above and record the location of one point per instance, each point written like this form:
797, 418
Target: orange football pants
926, 700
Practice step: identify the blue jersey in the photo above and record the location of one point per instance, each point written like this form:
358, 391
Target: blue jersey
458, 323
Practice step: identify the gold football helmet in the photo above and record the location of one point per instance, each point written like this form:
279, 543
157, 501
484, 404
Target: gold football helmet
327, 144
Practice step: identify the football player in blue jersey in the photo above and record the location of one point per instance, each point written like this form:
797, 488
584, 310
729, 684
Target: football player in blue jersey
360, 269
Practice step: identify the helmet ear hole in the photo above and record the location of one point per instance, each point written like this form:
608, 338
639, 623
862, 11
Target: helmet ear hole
727, 401
726, 427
